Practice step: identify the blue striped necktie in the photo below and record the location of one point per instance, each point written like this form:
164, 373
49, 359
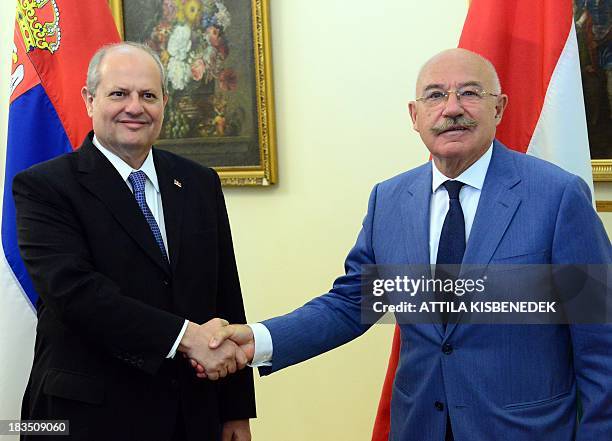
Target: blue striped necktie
138, 180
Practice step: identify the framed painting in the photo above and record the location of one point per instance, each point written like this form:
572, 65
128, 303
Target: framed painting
594, 32
217, 56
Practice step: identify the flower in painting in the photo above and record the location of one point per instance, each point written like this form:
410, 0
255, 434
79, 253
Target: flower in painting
169, 8
214, 37
159, 36
193, 11
208, 7
208, 21
222, 16
190, 38
164, 56
179, 73
228, 80
209, 57
197, 69
180, 10
179, 42
223, 49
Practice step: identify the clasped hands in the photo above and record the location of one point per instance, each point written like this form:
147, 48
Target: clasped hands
216, 348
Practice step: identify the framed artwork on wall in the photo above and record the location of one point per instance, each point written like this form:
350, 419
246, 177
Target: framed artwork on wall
594, 33
217, 57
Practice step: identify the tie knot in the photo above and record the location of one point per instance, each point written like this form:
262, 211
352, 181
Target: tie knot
138, 179
453, 188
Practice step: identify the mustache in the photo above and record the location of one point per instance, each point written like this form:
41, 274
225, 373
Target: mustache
453, 123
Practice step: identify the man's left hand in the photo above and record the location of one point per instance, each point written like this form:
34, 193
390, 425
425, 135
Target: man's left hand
237, 430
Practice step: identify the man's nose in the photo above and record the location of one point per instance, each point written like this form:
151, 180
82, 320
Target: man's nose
134, 105
452, 106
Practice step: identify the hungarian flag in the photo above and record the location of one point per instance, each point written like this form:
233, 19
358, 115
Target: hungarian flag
534, 49
53, 42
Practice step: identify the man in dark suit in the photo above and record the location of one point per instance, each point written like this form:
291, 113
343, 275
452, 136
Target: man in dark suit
477, 203
130, 249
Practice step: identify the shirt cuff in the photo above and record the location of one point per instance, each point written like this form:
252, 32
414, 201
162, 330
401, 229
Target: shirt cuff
174, 347
263, 345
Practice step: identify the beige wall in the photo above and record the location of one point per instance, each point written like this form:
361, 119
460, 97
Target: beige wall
344, 71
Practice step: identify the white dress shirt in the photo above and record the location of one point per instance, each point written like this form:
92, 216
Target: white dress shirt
153, 198
469, 196
473, 178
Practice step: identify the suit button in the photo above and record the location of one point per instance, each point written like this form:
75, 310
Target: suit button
174, 384
447, 348
140, 363
439, 406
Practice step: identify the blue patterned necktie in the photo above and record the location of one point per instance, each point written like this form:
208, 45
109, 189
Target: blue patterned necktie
451, 246
452, 238
138, 180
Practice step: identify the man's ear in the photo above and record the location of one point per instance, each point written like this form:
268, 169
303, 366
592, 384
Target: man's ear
88, 99
500, 106
413, 114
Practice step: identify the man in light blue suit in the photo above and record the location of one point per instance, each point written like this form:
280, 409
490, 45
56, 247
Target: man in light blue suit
468, 382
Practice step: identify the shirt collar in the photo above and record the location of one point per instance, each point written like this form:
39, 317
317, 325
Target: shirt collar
474, 176
122, 167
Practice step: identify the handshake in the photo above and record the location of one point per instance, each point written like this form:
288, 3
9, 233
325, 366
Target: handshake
217, 348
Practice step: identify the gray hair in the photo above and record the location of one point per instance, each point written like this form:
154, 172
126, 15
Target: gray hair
93, 71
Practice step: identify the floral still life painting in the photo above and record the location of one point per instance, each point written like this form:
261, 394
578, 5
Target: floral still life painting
193, 47
219, 110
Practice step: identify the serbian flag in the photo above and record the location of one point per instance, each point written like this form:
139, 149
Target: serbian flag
534, 49
53, 42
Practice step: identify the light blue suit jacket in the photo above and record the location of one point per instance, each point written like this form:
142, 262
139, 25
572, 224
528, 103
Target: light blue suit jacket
500, 382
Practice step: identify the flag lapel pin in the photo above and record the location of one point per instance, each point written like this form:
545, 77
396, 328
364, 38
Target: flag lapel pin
178, 183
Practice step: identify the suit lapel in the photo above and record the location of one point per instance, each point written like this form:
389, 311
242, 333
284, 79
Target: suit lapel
415, 219
102, 180
498, 203
172, 191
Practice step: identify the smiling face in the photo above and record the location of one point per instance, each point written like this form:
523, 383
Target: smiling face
127, 107
457, 133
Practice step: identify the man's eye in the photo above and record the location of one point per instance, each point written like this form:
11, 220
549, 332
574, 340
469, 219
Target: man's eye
435, 95
469, 93
149, 96
117, 93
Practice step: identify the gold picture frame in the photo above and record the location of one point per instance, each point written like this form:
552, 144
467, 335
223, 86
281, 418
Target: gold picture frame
604, 206
246, 156
602, 170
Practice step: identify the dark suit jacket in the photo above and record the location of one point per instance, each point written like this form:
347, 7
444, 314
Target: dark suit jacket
110, 308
